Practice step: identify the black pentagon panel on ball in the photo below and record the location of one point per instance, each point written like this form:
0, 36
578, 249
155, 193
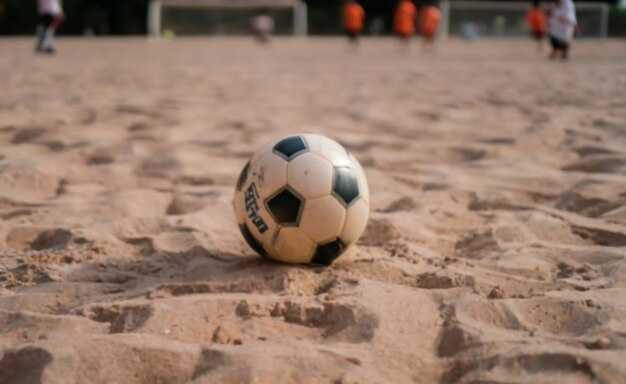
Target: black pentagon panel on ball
325, 254
285, 207
243, 176
345, 185
290, 147
247, 235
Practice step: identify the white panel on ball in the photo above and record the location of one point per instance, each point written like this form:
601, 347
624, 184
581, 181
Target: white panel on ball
292, 246
356, 220
313, 142
310, 175
263, 150
335, 153
268, 173
323, 218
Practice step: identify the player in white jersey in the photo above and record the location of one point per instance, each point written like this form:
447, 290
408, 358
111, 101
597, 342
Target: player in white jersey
50, 17
262, 25
563, 24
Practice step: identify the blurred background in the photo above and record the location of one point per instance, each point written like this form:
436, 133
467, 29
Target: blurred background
130, 17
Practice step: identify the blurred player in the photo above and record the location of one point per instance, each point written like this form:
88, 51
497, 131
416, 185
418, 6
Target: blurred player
563, 23
428, 17
50, 17
262, 25
404, 20
353, 15
536, 21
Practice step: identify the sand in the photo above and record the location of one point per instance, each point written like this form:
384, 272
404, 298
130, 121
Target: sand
495, 251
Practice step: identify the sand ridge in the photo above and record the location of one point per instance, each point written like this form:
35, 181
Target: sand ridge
495, 251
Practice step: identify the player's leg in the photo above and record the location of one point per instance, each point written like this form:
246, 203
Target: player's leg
565, 51
349, 36
356, 39
45, 21
554, 43
429, 41
428, 30
263, 36
353, 39
405, 41
39, 37
58, 19
48, 40
538, 35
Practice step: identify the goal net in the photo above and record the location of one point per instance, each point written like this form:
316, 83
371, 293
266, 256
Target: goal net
499, 19
223, 17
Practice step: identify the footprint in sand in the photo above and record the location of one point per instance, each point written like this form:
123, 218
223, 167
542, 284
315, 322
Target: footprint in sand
403, 204
161, 166
183, 204
37, 239
27, 135
599, 164
379, 232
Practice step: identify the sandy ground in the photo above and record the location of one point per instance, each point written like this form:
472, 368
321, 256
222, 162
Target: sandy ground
495, 252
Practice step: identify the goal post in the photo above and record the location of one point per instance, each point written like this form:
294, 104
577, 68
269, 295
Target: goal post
296, 8
507, 19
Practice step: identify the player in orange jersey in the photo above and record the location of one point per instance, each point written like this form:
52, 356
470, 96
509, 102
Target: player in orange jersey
404, 20
429, 16
537, 24
353, 15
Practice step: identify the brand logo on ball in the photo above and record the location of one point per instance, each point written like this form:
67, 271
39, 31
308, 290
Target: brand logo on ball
251, 197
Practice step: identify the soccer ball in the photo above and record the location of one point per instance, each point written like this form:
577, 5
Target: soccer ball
302, 199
